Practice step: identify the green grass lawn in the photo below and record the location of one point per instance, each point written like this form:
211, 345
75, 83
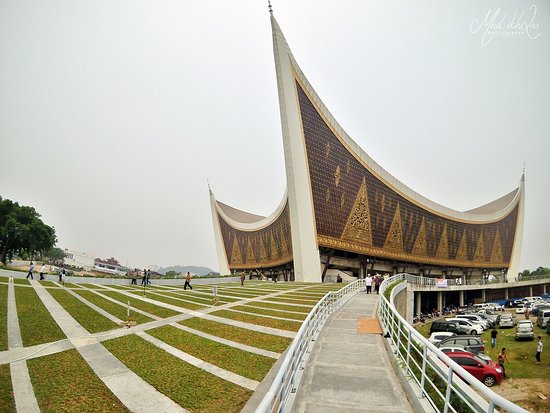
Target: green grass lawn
186, 296
112, 308
63, 382
281, 314
238, 293
3, 317
86, 316
35, 322
290, 301
141, 305
190, 387
23, 281
250, 365
295, 308
240, 335
176, 302
73, 286
263, 321
7, 402
48, 284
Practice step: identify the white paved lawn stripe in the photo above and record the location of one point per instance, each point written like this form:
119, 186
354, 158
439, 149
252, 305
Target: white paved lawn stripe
132, 309
134, 392
14, 334
210, 368
96, 308
221, 340
204, 314
25, 401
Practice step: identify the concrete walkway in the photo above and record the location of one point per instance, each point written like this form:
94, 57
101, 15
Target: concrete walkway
349, 371
25, 401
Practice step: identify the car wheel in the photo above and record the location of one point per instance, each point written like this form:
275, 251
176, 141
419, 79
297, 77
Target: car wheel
473, 333
489, 380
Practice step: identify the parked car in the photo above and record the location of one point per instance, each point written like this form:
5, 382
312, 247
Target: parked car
521, 309
456, 347
536, 308
524, 329
489, 320
476, 318
466, 326
475, 343
488, 372
507, 320
439, 335
438, 326
543, 317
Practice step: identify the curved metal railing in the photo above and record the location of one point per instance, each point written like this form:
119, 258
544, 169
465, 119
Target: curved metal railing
438, 377
281, 394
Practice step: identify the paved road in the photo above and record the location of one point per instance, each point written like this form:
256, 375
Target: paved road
350, 371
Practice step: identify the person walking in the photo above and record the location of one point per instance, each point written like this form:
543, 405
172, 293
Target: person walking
42, 271
187, 281
494, 333
31, 269
134, 275
148, 279
539, 350
377, 281
368, 284
502, 357
242, 278
144, 278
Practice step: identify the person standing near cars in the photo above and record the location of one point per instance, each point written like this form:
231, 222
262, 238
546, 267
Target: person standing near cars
502, 357
539, 350
494, 333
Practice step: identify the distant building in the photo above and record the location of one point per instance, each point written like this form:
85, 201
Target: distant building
110, 266
79, 259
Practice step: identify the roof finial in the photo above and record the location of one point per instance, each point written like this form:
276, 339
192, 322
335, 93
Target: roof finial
269, 6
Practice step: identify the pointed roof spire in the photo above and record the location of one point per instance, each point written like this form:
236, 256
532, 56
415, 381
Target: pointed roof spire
270, 8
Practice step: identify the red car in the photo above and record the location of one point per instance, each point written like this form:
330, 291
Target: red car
486, 371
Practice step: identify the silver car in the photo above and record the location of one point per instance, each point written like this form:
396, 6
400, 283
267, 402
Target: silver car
525, 329
506, 321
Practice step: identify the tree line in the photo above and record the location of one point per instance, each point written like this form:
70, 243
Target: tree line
22, 232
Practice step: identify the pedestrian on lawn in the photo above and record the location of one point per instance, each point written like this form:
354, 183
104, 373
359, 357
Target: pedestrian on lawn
502, 357
539, 350
31, 269
494, 333
42, 271
187, 281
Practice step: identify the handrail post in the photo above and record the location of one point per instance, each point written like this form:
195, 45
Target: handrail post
423, 374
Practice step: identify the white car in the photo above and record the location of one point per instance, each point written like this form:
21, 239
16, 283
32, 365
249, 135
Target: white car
521, 309
438, 336
468, 326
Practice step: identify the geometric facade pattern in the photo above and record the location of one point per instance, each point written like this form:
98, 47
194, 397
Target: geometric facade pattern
367, 216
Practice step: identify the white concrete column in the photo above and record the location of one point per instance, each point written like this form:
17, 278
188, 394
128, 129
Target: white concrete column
440, 301
530, 291
483, 295
506, 293
461, 298
418, 302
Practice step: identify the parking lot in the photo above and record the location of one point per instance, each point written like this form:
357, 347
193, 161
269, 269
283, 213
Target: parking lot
526, 381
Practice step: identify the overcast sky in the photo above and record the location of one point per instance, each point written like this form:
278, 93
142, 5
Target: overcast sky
113, 114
